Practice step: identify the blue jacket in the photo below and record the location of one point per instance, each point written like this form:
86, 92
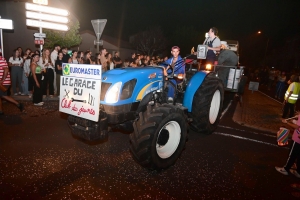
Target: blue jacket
179, 67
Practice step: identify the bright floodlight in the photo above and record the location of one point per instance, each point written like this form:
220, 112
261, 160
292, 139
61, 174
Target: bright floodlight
46, 9
98, 25
46, 17
49, 25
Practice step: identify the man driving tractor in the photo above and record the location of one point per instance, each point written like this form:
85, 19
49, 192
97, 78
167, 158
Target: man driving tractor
176, 64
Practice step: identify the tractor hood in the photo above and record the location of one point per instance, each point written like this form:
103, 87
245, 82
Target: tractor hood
129, 85
125, 74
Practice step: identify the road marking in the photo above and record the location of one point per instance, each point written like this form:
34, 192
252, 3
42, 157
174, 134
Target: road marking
223, 113
270, 97
249, 139
247, 131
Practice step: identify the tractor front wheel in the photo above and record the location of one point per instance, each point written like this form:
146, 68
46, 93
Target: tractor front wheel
159, 136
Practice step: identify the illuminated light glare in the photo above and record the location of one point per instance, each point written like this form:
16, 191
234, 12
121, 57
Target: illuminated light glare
180, 76
208, 67
44, 2
46, 9
6, 24
49, 25
46, 17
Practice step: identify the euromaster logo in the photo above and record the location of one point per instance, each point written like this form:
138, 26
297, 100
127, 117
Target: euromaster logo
66, 70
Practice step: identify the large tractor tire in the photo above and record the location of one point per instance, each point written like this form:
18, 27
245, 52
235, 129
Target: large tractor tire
207, 105
159, 136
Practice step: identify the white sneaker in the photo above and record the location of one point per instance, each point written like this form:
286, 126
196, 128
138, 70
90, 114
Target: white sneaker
16, 94
22, 94
295, 173
282, 170
37, 104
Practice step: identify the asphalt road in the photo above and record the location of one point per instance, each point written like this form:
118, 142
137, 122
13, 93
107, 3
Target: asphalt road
39, 159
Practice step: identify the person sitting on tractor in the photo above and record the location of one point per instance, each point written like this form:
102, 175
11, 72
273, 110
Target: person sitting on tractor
174, 65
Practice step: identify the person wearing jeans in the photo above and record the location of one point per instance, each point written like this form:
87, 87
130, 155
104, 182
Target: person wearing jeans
16, 64
48, 68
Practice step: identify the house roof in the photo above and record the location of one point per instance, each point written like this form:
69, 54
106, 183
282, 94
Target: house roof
114, 41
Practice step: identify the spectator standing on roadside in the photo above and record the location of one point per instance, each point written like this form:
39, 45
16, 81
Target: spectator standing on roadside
5, 81
87, 58
126, 63
20, 51
26, 80
103, 60
110, 63
66, 55
294, 151
36, 72
117, 60
291, 97
80, 56
54, 54
280, 85
131, 59
58, 70
48, 68
73, 59
16, 64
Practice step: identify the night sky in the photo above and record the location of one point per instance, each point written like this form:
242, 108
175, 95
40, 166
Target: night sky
235, 19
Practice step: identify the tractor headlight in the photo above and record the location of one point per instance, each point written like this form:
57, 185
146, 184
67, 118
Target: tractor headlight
112, 94
208, 67
127, 89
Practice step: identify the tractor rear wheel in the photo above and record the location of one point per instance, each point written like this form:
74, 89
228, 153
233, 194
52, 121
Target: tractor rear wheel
207, 105
159, 136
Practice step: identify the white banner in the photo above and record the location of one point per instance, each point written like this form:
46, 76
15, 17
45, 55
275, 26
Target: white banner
80, 88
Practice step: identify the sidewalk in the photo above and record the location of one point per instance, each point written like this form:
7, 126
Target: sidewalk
259, 111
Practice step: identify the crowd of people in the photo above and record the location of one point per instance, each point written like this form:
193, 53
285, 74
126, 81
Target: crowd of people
37, 74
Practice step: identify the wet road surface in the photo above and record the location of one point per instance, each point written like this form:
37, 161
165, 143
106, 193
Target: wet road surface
39, 159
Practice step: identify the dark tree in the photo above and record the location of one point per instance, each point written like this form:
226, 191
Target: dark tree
150, 42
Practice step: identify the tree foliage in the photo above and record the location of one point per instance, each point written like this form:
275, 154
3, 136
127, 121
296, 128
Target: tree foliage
150, 42
70, 38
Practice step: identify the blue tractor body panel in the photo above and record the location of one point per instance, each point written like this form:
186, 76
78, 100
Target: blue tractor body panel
192, 87
147, 79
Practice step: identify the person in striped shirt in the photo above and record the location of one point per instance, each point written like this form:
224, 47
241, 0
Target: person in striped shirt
6, 82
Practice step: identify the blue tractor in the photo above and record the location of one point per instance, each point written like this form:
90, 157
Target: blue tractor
135, 100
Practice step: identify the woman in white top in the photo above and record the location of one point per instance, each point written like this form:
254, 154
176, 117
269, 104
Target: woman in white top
73, 59
16, 64
48, 68
110, 63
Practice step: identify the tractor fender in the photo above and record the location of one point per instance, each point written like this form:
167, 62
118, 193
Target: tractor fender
192, 87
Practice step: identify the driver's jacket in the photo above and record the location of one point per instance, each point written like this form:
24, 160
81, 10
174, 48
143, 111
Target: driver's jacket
179, 67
